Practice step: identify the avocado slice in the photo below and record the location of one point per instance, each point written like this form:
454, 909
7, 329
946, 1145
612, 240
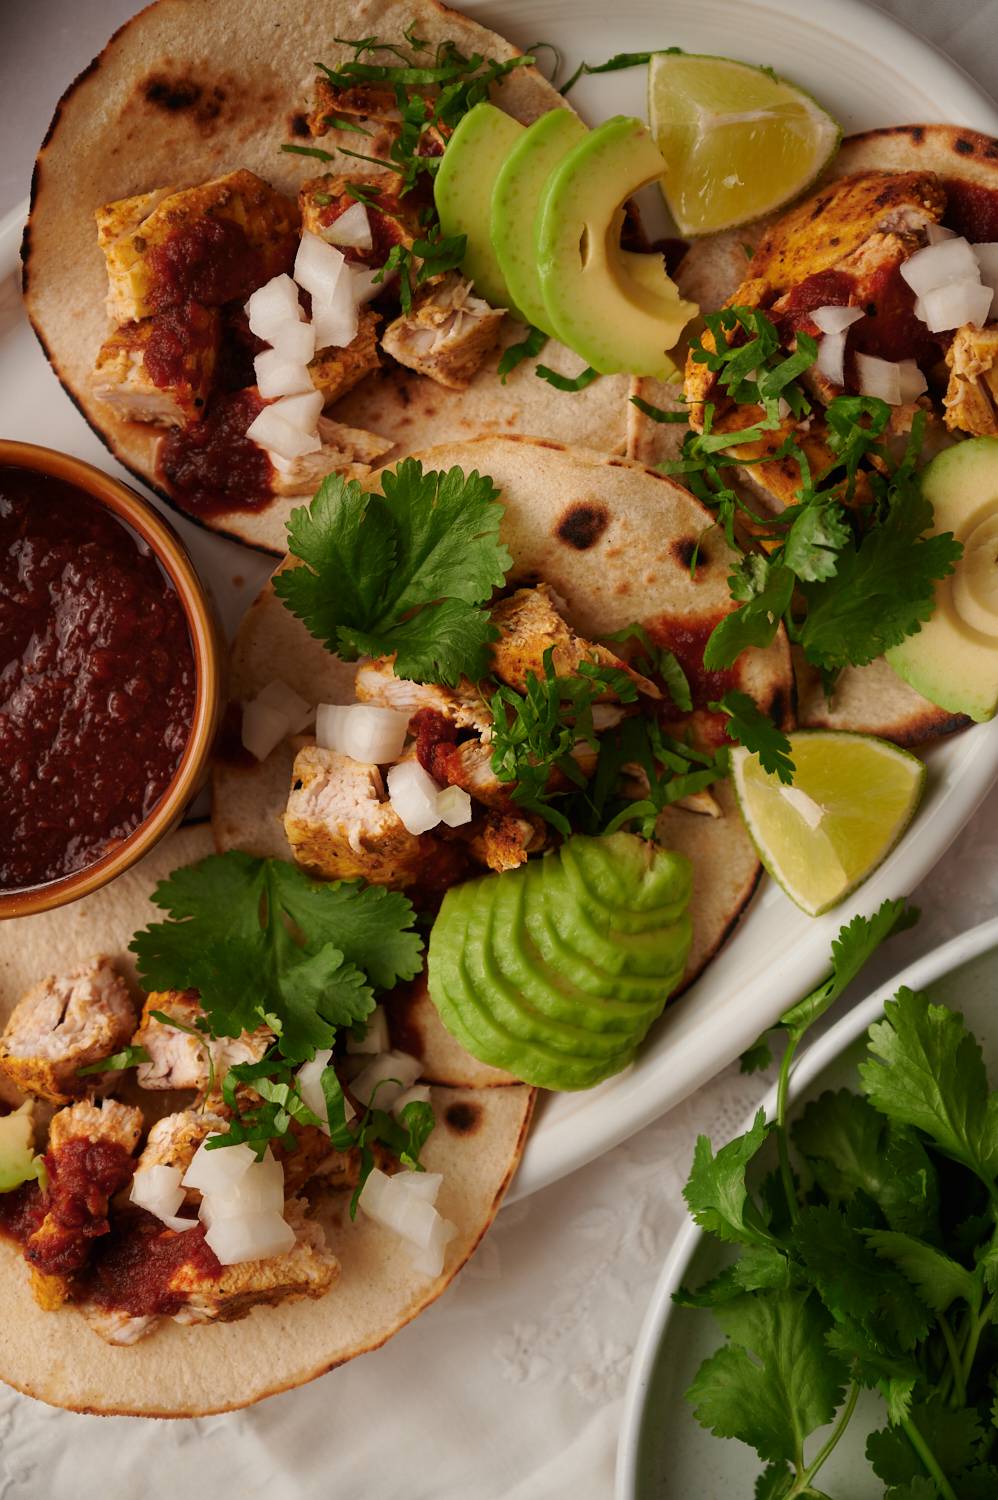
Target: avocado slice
618, 316
953, 660
515, 199
530, 979
462, 192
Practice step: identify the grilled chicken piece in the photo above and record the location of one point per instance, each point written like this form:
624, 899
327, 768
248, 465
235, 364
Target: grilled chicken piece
225, 238
349, 451
160, 370
340, 827
89, 1159
504, 840
173, 1140
64, 1023
394, 219
316, 1157
179, 1060
971, 399
309, 1269
464, 706
114, 1325
529, 623
447, 333
336, 371
366, 101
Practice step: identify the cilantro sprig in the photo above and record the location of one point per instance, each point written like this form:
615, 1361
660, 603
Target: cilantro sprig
870, 1261
403, 571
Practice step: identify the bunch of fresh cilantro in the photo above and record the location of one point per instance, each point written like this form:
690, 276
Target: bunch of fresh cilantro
849, 568
867, 1257
263, 945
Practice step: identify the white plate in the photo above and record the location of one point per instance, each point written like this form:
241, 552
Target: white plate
664, 1454
869, 71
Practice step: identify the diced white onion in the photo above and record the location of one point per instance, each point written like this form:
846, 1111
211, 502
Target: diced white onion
263, 729
425, 1185
913, 382
335, 318
987, 259
935, 233
362, 731
259, 1191
310, 1087
278, 696
276, 375
836, 319
271, 431
384, 1079
295, 340
937, 265
952, 305
393, 1205
375, 1039
420, 1094
272, 306
364, 285
251, 1237
302, 411
157, 1189
353, 228
413, 794
217, 1170
879, 377
454, 806
318, 266
831, 357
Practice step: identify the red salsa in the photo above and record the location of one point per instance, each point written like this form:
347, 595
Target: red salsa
97, 680
212, 465
133, 1267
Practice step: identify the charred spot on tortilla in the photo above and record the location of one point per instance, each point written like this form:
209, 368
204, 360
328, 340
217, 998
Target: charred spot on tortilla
183, 95
688, 548
298, 125
582, 524
965, 147
463, 1118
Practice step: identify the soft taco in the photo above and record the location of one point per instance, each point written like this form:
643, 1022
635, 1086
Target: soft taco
119, 1311
162, 199
600, 548
886, 195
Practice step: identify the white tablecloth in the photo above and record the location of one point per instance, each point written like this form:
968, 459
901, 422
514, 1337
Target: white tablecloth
509, 1388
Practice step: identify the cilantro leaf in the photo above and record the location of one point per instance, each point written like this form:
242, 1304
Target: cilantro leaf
883, 588
939, 1279
776, 1483
748, 725
754, 624
775, 1382
817, 534
757, 1058
852, 948
125, 1059
400, 571
717, 1194
953, 1434
253, 935
855, 1284
926, 1070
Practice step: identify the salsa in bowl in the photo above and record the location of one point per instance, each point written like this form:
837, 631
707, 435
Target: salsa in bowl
109, 678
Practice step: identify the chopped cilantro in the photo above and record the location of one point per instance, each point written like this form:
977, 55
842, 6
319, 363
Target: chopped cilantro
565, 382
515, 354
429, 256
402, 571
657, 413
749, 726
128, 1058
614, 65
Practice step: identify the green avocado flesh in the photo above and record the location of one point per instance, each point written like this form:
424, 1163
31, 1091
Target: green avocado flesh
462, 191
619, 311
953, 659
18, 1163
515, 199
556, 970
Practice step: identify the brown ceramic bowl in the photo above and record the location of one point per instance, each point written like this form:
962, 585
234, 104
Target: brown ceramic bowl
192, 770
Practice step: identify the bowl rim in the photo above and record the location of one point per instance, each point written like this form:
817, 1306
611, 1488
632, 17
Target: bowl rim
923, 971
172, 555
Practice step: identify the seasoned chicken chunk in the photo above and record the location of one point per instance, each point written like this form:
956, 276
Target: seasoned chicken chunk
173, 1140
179, 1060
392, 217
160, 370
64, 1023
447, 333
88, 1161
336, 371
529, 623
340, 825
114, 1325
504, 840
308, 1269
366, 101
316, 1157
971, 399
464, 706
216, 243
349, 451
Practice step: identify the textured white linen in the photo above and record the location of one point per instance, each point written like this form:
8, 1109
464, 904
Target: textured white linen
510, 1388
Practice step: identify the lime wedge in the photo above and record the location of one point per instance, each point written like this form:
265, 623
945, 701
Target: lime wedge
852, 798
738, 142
